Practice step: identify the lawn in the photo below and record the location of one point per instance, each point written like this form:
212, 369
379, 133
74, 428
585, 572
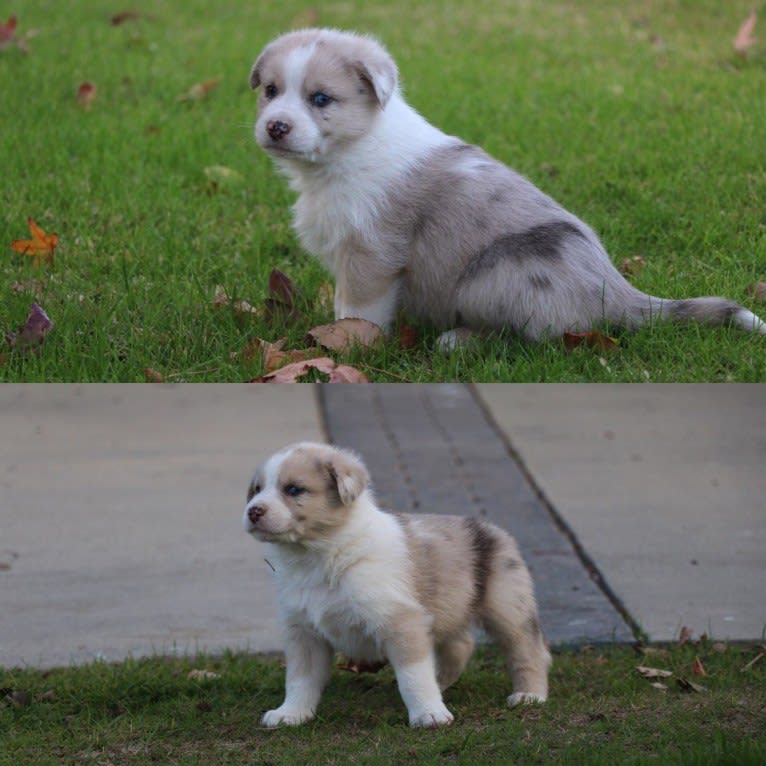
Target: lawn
601, 711
640, 117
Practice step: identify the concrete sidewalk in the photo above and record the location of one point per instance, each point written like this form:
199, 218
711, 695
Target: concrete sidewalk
120, 506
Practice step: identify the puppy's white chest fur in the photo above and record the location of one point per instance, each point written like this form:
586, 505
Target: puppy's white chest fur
347, 592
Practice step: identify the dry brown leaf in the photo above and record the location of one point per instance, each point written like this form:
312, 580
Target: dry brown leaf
720, 647
752, 662
202, 675
689, 686
153, 376
745, 39
632, 266
686, 636
648, 672
360, 666
325, 300
698, 669
758, 291
272, 354
32, 333
658, 685
292, 373
200, 90
241, 307
123, 16
344, 333
281, 287
408, 337
85, 94
593, 339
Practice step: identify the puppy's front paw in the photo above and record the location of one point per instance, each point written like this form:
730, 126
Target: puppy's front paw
283, 716
431, 718
525, 698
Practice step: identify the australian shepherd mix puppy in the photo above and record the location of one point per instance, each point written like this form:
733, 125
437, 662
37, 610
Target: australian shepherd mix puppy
406, 216
382, 587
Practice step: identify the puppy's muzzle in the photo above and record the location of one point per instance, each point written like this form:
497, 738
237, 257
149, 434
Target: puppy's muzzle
254, 513
278, 129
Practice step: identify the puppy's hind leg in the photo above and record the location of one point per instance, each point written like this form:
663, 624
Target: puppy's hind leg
510, 617
451, 658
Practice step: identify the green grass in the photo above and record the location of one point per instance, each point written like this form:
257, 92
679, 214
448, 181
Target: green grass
637, 116
600, 712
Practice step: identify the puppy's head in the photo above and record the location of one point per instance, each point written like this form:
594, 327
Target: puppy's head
320, 90
303, 493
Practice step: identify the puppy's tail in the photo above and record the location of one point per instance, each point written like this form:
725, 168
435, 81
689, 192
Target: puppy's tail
641, 309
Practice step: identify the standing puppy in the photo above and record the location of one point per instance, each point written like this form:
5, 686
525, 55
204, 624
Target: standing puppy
377, 587
406, 216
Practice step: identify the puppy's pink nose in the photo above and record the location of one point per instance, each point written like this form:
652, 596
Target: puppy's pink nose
278, 129
255, 512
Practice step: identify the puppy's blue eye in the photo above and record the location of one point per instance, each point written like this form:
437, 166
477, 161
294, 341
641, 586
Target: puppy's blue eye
293, 490
320, 100
270, 91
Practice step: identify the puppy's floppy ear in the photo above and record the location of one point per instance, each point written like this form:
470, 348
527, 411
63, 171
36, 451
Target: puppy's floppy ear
349, 474
255, 72
376, 68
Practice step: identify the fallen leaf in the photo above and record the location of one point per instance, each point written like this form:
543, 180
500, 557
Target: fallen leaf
32, 333
408, 337
123, 16
689, 686
360, 666
658, 685
752, 662
720, 647
200, 90
272, 354
745, 38
152, 376
648, 672
42, 245
292, 373
204, 707
85, 94
202, 675
281, 287
758, 291
344, 333
698, 669
325, 300
592, 339
222, 177
8, 32
242, 307
20, 698
686, 636
632, 266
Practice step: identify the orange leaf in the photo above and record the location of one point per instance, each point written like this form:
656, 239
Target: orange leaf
745, 38
7, 32
42, 245
199, 90
593, 339
123, 16
698, 669
85, 94
152, 376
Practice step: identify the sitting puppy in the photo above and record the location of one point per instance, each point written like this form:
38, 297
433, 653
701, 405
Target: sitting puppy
377, 586
406, 216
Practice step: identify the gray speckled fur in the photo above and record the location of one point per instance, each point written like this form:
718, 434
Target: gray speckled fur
488, 249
